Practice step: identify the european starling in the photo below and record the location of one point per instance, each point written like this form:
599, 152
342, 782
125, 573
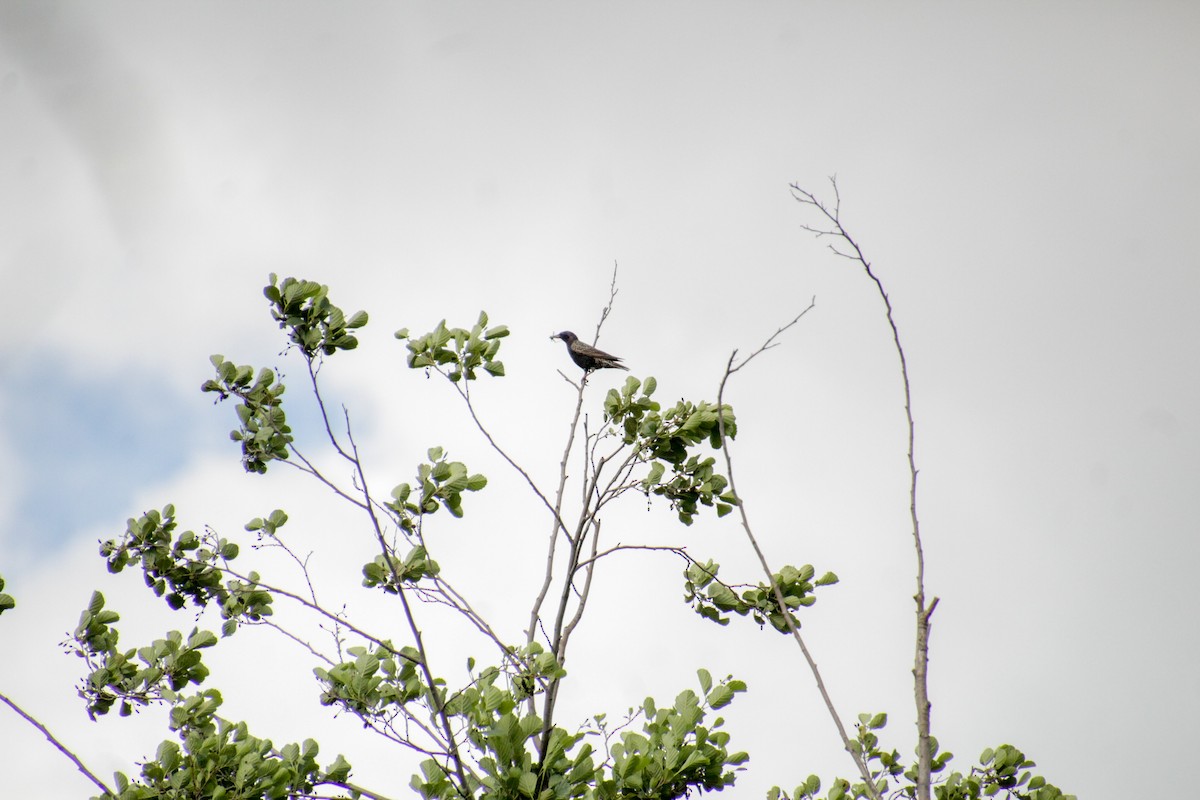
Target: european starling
586, 356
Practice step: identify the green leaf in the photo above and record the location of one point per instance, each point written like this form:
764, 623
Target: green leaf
201, 639
720, 696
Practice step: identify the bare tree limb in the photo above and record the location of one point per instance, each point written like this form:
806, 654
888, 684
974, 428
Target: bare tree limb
730, 368
559, 636
437, 699
924, 611
309, 469
62, 748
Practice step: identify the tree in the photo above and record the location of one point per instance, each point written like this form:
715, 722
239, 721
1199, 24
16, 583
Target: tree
494, 730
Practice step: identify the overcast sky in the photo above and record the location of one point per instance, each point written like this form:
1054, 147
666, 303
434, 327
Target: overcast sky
1022, 175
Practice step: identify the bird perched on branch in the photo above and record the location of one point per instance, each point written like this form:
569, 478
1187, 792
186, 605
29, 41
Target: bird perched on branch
586, 356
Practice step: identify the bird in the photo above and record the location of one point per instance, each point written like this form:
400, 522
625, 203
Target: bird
586, 356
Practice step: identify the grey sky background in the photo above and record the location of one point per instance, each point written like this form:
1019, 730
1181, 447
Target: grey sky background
1023, 177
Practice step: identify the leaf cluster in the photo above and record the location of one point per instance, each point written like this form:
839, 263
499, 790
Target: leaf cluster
440, 483
377, 680
262, 425
7, 602
713, 600
390, 573
1003, 772
675, 753
188, 567
220, 760
314, 324
457, 352
166, 665
217, 759
664, 439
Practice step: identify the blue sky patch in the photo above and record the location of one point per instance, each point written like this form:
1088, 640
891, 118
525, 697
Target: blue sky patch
87, 445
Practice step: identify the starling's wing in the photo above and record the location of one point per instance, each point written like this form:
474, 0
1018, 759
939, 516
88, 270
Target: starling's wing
591, 352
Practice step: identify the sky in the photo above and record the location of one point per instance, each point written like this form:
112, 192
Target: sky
1022, 177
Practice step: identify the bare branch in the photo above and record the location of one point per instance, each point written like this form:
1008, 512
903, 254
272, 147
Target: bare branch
581, 603
304, 601
285, 632
437, 699
620, 548
769, 343
923, 611
604, 312
730, 369
504, 454
312, 374
62, 748
552, 547
309, 469
576, 542
275, 540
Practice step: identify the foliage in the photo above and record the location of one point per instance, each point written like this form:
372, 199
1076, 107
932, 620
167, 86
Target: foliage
1003, 772
712, 599
485, 738
665, 440
496, 735
314, 324
459, 350
263, 429
223, 761
7, 603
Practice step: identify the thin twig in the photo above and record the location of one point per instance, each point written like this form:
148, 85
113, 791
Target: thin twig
581, 603
503, 454
309, 469
285, 632
730, 369
380, 643
604, 312
437, 700
596, 556
275, 540
552, 547
337, 446
560, 491
62, 748
574, 556
924, 611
